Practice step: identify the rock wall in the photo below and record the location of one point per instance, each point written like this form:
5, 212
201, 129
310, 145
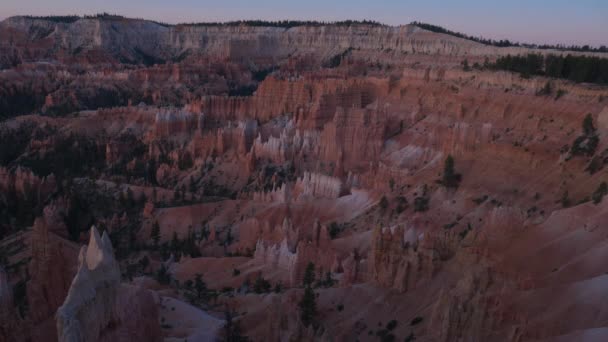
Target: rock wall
235, 42
398, 261
168, 123
313, 246
52, 266
464, 312
25, 184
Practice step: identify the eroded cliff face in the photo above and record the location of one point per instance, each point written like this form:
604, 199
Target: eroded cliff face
222, 161
399, 262
98, 308
52, 266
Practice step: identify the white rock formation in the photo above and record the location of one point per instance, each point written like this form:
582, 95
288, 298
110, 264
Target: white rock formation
319, 185
89, 305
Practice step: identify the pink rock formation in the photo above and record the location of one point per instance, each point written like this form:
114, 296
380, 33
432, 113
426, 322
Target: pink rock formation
52, 266
398, 263
318, 185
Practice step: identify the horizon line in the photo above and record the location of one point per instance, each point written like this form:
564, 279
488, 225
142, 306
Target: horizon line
303, 21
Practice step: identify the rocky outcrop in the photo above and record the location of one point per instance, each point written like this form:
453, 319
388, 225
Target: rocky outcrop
237, 43
313, 247
317, 185
462, 313
398, 261
98, 307
280, 194
169, 123
24, 184
52, 266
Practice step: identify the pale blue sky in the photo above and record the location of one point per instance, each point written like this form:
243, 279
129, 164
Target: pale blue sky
537, 21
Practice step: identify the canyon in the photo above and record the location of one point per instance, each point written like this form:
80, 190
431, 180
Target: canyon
185, 182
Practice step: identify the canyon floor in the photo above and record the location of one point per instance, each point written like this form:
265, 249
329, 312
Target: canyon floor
313, 183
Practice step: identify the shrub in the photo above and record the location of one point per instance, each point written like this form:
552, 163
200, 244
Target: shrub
546, 90
261, 285
383, 202
334, 230
401, 204
565, 200
155, 234
421, 204
586, 144
416, 320
309, 275
450, 178
308, 306
600, 192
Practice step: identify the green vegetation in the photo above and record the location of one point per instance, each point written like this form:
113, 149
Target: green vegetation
450, 178
421, 203
334, 230
155, 234
416, 320
546, 90
383, 203
232, 329
565, 200
386, 334
574, 68
20, 298
261, 285
309, 275
586, 144
285, 23
336, 60
401, 204
66, 19
506, 42
200, 287
599, 193
162, 275
308, 304
328, 281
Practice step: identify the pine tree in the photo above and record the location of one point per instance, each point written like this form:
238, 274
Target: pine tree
309, 275
600, 192
192, 185
130, 198
308, 306
588, 127
200, 287
175, 244
450, 177
383, 202
155, 234
232, 329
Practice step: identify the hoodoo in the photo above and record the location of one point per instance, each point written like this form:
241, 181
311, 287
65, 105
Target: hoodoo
298, 181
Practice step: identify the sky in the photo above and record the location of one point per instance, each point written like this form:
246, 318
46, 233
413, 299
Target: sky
535, 21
